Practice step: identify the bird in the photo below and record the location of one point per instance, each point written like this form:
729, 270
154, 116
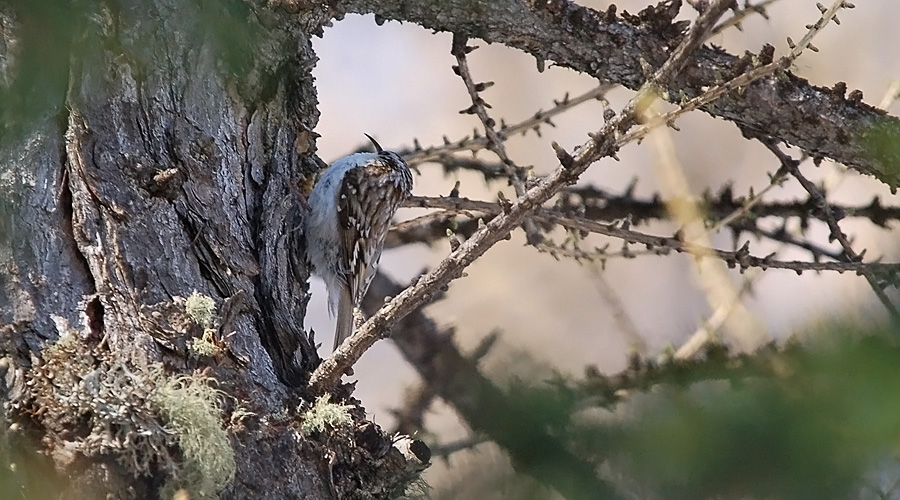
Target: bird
350, 212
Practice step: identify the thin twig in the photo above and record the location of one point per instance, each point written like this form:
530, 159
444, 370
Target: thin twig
620, 316
711, 276
599, 255
478, 143
515, 173
695, 37
707, 97
832, 220
479, 108
891, 95
434, 227
747, 205
745, 12
452, 163
740, 81
740, 258
723, 208
707, 330
828, 15
452, 206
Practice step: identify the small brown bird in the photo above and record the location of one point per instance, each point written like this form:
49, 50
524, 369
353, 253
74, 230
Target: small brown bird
351, 208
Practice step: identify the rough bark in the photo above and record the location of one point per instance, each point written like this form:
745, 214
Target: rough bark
170, 165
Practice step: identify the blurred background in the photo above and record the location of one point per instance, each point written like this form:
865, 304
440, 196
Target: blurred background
395, 83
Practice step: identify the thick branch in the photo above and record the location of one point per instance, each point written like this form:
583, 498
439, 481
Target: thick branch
822, 122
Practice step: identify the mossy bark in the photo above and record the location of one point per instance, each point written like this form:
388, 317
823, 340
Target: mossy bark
164, 160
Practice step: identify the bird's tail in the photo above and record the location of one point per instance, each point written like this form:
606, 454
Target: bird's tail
344, 328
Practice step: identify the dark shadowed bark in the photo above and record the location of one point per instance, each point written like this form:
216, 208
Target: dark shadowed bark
170, 164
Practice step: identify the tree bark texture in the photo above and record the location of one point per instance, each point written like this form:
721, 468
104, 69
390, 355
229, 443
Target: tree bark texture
171, 165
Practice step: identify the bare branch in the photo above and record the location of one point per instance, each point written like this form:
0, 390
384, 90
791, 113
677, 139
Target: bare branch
893, 92
740, 258
452, 163
433, 227
745, 12
689, 44
705, 333
722, 209
618, 49
477, 143
827, 16
495, 144
605, 143
623, 320
832, 220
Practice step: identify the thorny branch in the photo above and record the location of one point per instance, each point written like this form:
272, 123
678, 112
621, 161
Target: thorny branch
662, 245
748, 10
435, 226
837, 234
602, 144
694, 38
495, 144
722, 209
736, 214
716, 363
443, 154
477, 142
620, 48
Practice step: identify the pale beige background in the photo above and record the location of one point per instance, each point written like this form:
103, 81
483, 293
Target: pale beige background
395, 83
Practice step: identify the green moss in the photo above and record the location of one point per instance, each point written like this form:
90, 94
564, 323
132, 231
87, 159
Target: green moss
145, 419
882, 142
105, 399
325, 414
63, 343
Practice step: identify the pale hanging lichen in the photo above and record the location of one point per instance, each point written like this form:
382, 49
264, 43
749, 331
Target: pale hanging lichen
135, 413
191, 409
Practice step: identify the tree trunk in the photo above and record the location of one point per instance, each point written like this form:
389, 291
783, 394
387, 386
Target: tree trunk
166, 160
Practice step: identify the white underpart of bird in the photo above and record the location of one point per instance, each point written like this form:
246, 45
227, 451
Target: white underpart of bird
351, 208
